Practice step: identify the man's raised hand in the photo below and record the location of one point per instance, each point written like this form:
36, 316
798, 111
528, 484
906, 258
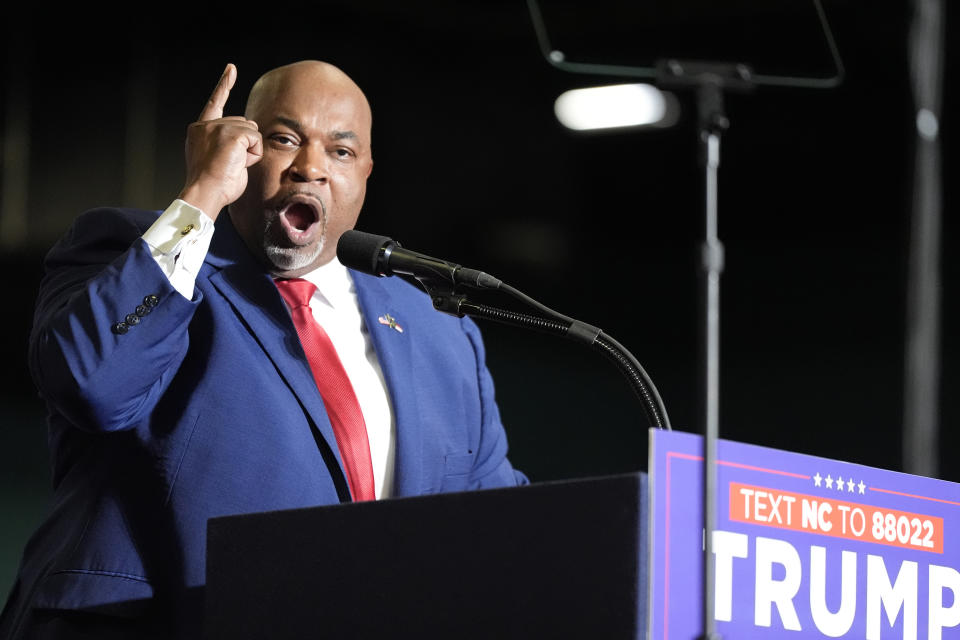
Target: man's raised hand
218, 151
218, 99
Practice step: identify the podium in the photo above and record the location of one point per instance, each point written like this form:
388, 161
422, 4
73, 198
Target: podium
805, 547
557, 560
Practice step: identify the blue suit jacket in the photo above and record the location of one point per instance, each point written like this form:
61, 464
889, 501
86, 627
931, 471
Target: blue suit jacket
207, 407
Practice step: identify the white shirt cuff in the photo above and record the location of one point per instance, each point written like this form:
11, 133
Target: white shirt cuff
179, 241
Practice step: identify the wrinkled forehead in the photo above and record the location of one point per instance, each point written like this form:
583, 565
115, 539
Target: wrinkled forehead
325, 97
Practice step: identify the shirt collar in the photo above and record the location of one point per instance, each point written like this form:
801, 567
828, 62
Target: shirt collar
333, 282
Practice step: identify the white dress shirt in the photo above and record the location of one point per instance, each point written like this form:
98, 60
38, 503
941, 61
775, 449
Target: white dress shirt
179, 241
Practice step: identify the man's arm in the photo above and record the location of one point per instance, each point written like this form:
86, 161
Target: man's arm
110, 328
491, 469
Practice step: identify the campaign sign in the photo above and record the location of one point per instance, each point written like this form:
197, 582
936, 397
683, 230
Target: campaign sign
804, 547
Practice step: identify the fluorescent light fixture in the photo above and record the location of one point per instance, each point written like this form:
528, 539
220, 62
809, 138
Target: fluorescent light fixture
622, 105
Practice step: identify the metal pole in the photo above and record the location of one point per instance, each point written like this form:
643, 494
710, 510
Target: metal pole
922, 349
713, 122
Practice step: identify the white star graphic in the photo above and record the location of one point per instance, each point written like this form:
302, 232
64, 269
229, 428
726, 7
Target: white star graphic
829, 482
816, 479
850, 485
861, 486
839, 483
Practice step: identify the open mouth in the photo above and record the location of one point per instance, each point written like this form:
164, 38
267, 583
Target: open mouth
301, 218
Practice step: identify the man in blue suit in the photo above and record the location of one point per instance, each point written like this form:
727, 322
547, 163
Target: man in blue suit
177, 386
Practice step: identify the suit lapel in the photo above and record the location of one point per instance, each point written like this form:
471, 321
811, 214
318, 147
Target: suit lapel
258, 305
395, 353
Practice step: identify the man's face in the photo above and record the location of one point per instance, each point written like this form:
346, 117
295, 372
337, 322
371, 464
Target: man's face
309, 186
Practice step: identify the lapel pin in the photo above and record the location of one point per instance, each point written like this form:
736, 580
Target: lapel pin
390, 321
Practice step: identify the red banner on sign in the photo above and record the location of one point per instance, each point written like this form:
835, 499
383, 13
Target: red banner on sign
836, 518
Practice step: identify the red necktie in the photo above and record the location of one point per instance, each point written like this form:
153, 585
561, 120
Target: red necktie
335, 388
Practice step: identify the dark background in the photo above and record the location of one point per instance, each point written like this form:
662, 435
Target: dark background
472, 166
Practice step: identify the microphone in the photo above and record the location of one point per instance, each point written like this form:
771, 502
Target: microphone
381, 256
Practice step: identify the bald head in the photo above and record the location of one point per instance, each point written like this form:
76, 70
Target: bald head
322, 76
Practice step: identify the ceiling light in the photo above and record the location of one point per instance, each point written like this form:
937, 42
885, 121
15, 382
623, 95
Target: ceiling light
615, 106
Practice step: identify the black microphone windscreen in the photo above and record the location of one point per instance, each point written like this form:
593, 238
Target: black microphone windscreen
361, 251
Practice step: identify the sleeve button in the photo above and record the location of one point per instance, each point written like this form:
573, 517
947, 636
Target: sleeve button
132, 319
143, 310
121, 328
151, 300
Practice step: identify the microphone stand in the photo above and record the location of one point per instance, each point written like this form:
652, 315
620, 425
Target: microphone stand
709, 81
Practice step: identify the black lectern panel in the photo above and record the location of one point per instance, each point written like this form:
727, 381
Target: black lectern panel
554, 560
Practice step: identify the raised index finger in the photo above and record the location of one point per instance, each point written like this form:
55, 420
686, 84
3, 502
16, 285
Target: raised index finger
214, 107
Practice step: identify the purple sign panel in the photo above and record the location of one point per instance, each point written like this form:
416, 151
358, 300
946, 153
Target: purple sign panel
804, 547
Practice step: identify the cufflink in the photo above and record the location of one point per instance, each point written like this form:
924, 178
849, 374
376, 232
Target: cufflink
187, 229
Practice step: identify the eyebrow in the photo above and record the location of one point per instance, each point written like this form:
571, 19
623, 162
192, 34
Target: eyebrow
290, 122
298, 127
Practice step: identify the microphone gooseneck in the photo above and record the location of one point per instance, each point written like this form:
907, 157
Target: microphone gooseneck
381, 256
